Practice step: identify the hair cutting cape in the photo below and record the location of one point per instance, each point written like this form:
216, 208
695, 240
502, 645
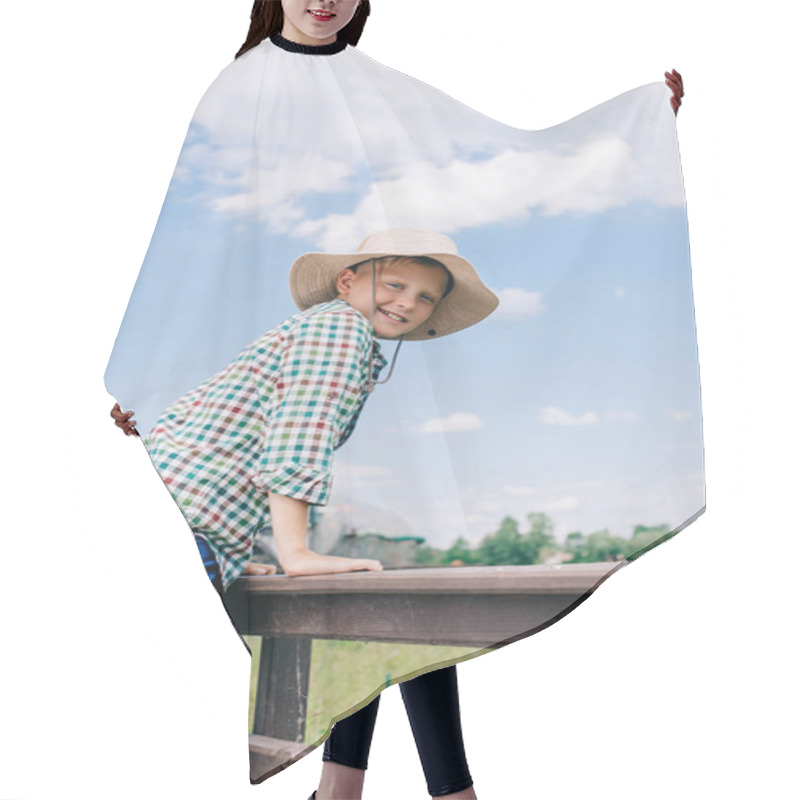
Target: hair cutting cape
504, 471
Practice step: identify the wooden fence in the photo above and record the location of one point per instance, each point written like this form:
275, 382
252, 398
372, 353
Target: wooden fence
482, 607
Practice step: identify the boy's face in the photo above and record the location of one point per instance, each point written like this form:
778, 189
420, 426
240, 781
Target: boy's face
406, 293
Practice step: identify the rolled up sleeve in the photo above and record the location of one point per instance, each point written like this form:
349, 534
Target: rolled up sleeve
317, 390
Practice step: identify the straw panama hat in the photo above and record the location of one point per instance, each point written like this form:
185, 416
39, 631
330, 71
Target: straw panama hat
312, 278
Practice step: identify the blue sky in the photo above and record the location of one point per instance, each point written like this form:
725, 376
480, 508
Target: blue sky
578, 396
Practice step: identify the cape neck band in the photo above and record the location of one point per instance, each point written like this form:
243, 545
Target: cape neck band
308, 49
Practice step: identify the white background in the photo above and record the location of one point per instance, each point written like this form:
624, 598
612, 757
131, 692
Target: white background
121, 675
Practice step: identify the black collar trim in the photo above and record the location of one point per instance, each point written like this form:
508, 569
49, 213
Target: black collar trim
308, 49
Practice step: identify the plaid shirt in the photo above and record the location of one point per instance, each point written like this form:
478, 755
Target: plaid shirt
269, 420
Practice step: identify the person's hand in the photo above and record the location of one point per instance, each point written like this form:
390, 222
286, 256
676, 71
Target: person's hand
124, 420
255, 568
307, 562
675, 82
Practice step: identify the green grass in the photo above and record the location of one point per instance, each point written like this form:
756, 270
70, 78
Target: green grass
346, 675
254, 643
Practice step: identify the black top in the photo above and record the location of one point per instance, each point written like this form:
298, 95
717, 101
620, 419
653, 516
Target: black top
308, 49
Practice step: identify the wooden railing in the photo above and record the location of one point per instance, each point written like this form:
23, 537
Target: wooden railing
482, 607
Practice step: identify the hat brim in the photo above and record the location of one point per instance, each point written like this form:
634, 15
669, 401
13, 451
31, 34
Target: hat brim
313, 277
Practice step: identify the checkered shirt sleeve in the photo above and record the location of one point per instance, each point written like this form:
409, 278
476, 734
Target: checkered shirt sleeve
320, 388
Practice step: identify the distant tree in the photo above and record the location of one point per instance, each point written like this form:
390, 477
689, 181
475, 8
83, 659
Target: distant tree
506, 546
429, 556
574, 542
539, 540
459, 550
645, 537
598, 546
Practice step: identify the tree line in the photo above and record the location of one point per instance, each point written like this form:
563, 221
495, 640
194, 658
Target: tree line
508, 545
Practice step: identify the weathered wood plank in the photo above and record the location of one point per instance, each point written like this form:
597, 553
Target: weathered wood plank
461, 620
532, 579
269, 755
465, 606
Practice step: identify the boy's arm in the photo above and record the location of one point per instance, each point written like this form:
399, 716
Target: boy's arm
289, 524
321, 374
320, 381
289, 518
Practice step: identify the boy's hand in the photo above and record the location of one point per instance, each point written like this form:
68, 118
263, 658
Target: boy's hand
254, 568
307, 562
675, 82
123, 420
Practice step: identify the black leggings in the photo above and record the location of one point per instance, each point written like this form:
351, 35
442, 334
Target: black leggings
432, 706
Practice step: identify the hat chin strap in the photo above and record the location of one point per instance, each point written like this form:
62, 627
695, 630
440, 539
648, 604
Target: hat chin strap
371, 383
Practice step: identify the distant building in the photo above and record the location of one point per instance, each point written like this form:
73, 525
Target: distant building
559, 557
393, 552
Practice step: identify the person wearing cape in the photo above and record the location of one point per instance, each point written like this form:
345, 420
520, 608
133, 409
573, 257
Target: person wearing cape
315, 144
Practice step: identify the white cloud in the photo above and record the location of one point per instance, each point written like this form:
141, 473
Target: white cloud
377, 139
619, 291
519, 303
556, 416
339, 233
457, 422
597, 175
227, 181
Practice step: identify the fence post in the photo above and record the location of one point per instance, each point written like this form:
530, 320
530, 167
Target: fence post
282, 687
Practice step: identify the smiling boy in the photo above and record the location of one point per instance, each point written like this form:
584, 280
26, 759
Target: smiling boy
253, 444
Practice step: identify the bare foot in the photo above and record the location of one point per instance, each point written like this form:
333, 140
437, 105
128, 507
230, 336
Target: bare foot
254, 568
311, 563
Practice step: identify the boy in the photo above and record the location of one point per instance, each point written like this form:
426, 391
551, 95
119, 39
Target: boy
254, 443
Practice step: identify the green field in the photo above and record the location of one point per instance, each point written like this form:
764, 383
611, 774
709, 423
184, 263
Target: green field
345, 674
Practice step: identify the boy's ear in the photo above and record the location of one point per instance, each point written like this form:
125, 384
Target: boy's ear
345, 279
